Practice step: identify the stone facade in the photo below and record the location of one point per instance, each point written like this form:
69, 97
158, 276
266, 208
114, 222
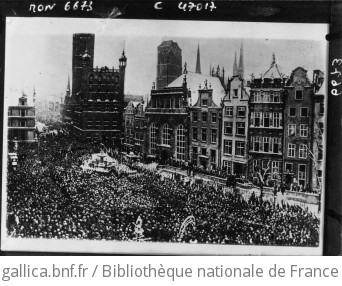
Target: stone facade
167, 124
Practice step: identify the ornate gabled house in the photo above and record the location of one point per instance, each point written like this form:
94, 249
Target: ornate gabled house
235, 123
135, 127
95, 108
298, 129
205, 125
129, 122
265, 133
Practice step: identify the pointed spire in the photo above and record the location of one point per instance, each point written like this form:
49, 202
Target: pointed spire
241, 68
68, 87
210, 70
185, 71
235, 68
198, 61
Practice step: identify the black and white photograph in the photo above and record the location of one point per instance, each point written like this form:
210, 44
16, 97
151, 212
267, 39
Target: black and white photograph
164, 137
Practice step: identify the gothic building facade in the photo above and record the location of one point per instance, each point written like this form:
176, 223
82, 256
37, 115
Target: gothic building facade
95, 107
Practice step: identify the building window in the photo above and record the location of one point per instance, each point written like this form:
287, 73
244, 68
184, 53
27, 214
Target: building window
213, 159
227, 147
276, 97
299, 95
204, 134
239, 148
304, 111
194, 116
321, 108
289, 167
321, 127
266, 144
256, 141
97, 123
292, 130
275, 167
303, 130
180, 137
166, 134
240, 128
214, 117
106, 124
257, 97
229, 111
235, 92
291, 150
302, 174
267, 118
266, 97
204, 116
277, 116
256, 165
257, 118
194, 153
320, 152
228, 128
302, 151
153, 138
292, 111
204, 151
241, 111
194, 133
227, 165
276, 145
213, 135
89, 124
204, 102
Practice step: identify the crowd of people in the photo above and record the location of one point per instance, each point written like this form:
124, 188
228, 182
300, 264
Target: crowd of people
50, 196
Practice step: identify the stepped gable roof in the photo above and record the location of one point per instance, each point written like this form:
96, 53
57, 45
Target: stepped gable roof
194, 80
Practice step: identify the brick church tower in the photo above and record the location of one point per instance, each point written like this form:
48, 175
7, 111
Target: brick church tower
169, 66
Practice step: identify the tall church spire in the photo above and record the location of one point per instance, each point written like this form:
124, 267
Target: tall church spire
68, 87
241, 69
198, 62
235, 68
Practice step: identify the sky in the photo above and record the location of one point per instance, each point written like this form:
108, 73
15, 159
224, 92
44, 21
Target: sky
39, 50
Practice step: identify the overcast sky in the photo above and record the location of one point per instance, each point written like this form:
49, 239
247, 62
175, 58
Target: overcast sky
39, 50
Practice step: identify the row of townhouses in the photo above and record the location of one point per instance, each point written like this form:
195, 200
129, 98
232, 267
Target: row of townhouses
272, 125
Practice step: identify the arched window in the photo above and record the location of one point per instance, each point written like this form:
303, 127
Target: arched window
153, 138
180, 143
166, 134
